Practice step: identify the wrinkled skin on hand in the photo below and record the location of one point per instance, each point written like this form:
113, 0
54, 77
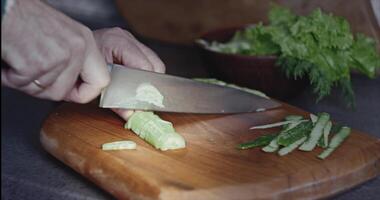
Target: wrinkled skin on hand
120, 47
67, 59
40, 43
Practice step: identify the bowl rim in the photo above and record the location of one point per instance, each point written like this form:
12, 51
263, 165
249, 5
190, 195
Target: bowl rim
224, 29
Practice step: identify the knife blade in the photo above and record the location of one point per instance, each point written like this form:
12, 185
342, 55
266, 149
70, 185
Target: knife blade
178, 94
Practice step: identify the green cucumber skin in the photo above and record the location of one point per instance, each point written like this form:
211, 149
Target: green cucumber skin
293, 118
258, 142
316, 133
157, 132
272, 146
324, 140
335, 142
295, 134
288, 149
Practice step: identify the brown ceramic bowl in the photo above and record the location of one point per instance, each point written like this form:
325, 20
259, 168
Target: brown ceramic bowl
257, 72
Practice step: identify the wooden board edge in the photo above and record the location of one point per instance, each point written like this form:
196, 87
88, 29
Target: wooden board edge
117, 188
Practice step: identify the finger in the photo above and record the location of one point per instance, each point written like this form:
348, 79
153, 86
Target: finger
4, 78
30, 88
26, 68
123, 113
132, 56
46, 80
64, 83
94, 77
158, 65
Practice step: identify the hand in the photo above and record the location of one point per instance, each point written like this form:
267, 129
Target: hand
120, 47
40, 43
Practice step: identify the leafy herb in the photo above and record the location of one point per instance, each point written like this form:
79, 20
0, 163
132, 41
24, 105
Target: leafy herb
319, 47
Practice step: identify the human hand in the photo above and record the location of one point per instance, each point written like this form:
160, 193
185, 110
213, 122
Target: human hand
40, 43
120, 47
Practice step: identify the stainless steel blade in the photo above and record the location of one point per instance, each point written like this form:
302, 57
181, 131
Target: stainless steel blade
180, 94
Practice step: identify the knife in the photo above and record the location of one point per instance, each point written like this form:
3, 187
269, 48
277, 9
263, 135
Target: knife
167, 93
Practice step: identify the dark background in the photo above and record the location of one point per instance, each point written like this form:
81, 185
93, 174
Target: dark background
28, 172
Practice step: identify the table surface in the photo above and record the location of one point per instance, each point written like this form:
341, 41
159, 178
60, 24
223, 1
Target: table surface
28, 172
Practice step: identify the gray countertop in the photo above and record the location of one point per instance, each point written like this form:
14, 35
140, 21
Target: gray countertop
28, 172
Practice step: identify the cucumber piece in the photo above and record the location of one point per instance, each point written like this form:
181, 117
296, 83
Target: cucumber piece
119, 145
146, 92
277, 124
316, 133
258, 142
292, 135
313, 118
221, 83
272, 146
285, 150
336, 141
324, 140
293, 118
157, 132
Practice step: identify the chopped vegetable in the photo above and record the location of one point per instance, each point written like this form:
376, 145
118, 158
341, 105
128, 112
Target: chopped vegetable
324, 141
293, 118
335, 142
272, 146
295, 134
336, 128
119, 145
313, 118
287, 127
316, 133
261, 110
274, 124
154, 130
221, 83
285, 150
258, 142
146, 92
302, 134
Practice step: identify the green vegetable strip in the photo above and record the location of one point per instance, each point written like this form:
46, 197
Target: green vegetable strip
154, 130
221, 83
313, 118
258, 142
273, 125
293, 118
316, 133
285, 150
119, 145
292, 125
336, 141
336, 128
295, 134
272, 146
324, 141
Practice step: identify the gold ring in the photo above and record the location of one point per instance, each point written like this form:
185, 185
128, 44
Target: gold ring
38, 83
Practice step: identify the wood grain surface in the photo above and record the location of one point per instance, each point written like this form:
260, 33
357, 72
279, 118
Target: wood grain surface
210, 167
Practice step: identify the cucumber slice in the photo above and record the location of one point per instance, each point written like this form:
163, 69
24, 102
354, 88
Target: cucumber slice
316, 133
336, 141
119, 145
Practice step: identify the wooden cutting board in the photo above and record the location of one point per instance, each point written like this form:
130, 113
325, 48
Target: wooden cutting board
210, 167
